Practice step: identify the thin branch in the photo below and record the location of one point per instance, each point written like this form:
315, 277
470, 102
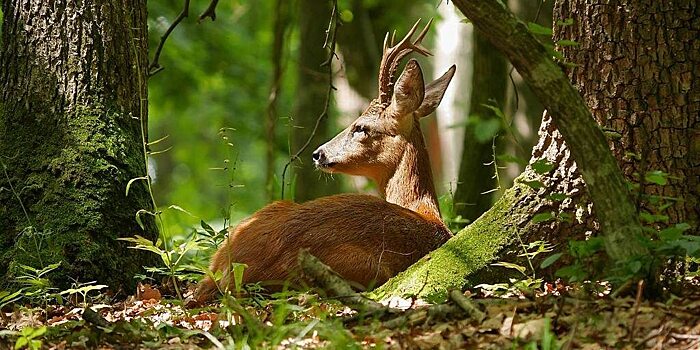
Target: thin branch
155, 67
333, 31
209, 12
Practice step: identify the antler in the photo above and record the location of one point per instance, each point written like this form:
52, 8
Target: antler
391, 56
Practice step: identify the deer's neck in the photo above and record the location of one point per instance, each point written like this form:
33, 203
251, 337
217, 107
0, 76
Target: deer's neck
411, 184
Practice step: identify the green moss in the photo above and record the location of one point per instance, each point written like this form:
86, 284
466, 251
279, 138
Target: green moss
73, 178
455, 264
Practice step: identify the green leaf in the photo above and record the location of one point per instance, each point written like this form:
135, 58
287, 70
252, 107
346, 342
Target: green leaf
542, 217
346, 16
178, 208
535, 185
574, 273
83, 289
566, 217
238, 275
485, 130
652, 218
558, 197
138, 217
508, 265
542, 166
657, 176
495, 110
566, 22
508, 158
21, 342
550, 260
7, 298
535, 28
564, 43
143, 243
673, 233
39, 331
556, 54
634, 266
128, 184
207, 228
586, 248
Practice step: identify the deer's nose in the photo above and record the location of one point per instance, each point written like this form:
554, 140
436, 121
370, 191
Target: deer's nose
319, 157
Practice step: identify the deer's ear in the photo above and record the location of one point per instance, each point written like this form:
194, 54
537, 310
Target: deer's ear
408, 92
434, 93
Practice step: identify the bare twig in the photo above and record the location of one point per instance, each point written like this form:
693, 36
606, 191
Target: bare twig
155, 67
322, 275
414, 317
466, 305
331, 36
637, 301
209, 12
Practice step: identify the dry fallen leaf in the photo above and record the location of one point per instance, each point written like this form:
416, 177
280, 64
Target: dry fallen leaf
147, 292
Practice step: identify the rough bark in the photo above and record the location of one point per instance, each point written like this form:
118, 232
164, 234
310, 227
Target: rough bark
611, 41
615, 210
73, 93
473, 195
638, 69
312, 83
647, 93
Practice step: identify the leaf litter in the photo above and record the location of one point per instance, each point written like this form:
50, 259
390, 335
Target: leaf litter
559, 318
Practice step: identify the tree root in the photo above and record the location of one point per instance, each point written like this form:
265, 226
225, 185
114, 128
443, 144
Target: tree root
323, 276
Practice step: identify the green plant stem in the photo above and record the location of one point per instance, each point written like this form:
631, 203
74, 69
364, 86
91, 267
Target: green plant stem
143, 121
12, 189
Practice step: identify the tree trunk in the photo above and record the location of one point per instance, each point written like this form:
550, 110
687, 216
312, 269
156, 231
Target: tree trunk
637, 69
312, 85
473, 195
639, 72
73, 105
279, 30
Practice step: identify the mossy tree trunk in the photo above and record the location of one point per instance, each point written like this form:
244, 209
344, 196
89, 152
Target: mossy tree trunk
73, 83
637, 71
310, 96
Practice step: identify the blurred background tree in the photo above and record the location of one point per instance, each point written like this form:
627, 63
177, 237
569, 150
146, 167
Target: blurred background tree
239, 95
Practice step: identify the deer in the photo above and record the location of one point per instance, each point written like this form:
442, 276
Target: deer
364, 238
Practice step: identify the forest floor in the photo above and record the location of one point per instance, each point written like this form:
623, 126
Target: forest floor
554, 317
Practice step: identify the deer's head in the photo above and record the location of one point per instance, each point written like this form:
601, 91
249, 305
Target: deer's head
374, 143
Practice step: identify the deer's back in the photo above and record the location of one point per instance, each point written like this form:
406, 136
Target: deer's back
364, 238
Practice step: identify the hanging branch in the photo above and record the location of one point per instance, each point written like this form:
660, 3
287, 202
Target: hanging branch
155, 67
209, 12
330, 42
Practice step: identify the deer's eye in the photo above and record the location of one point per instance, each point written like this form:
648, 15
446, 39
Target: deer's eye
360, 130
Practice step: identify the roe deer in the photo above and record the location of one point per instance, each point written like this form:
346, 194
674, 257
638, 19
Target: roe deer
365, 239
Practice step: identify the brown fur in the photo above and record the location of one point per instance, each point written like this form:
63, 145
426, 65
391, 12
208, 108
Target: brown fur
365, 239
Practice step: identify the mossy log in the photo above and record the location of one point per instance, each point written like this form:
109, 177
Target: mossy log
459, 262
